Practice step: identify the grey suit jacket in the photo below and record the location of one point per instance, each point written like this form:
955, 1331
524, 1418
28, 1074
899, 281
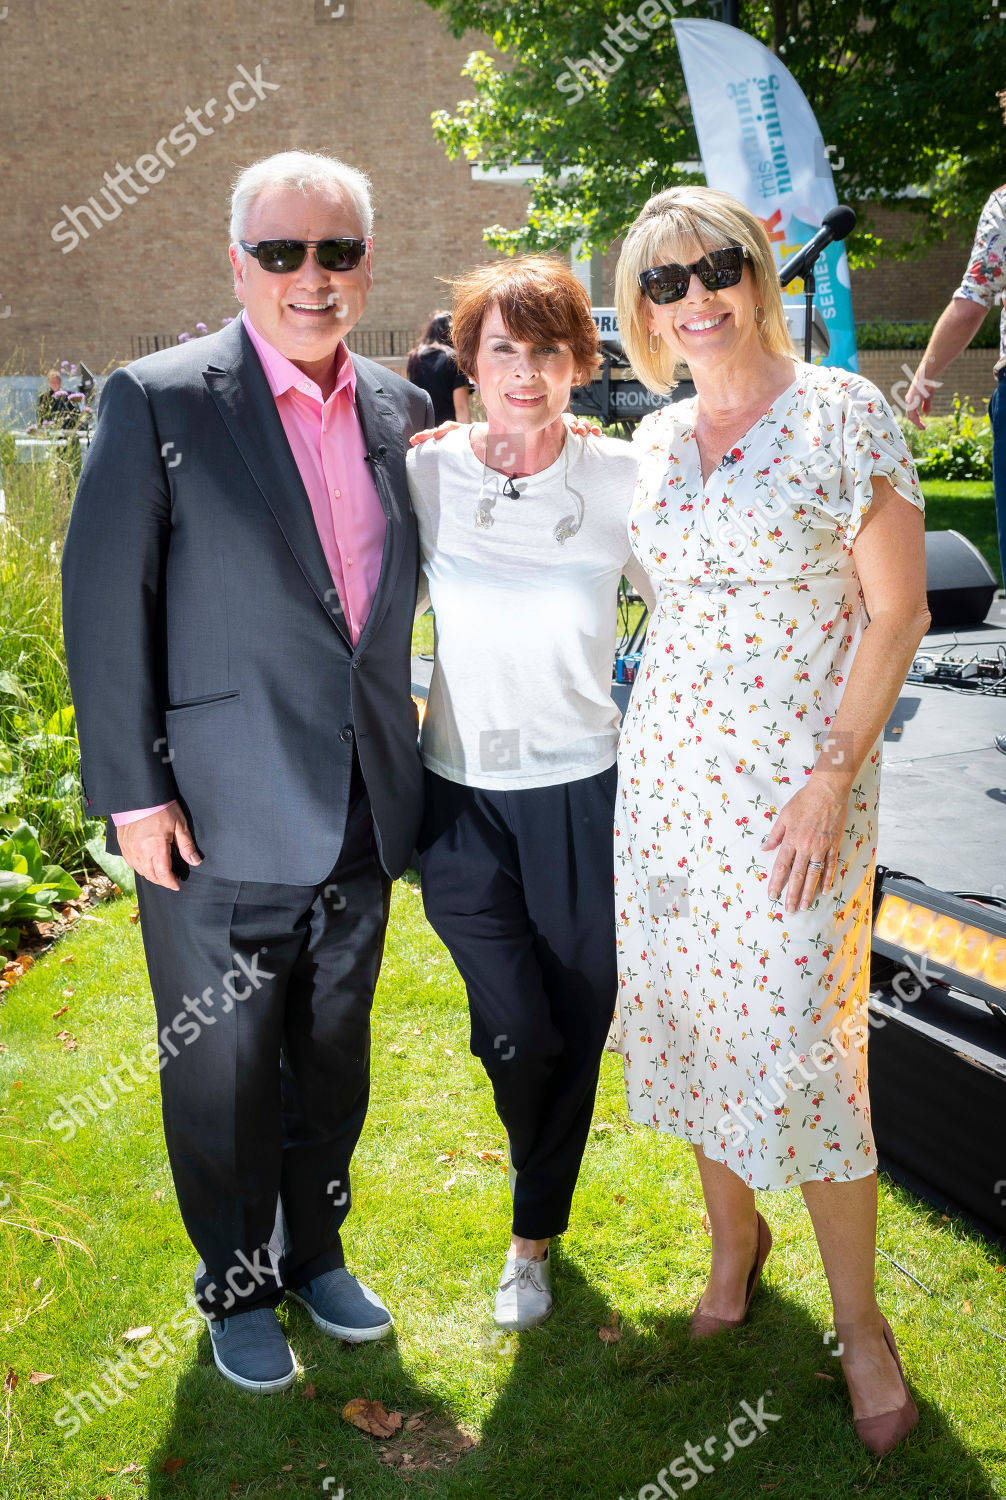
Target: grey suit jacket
208, 654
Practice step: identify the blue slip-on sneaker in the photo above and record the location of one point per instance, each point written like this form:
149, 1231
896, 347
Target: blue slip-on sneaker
343, 1307
250, 1350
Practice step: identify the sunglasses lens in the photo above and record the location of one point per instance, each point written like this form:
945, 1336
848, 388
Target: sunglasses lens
339, 255
281, 255
725, 268
666, 284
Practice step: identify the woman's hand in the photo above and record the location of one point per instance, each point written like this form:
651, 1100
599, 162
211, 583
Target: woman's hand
808, 834
432, 432
582, 426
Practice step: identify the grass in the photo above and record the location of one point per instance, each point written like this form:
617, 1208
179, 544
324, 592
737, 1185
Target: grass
91, 1245
967, 506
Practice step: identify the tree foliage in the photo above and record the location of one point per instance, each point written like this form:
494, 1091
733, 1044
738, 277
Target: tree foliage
904, 92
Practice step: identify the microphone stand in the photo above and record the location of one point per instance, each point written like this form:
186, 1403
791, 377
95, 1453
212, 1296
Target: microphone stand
809, 288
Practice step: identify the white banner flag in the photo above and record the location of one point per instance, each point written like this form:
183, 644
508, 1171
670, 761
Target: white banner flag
761, 143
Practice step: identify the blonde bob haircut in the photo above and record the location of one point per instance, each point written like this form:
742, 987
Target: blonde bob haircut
670, 225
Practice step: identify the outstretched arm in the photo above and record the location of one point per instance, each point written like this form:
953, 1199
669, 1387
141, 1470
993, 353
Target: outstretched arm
958, 323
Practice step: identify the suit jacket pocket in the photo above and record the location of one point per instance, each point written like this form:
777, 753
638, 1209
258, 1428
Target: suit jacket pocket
207, 702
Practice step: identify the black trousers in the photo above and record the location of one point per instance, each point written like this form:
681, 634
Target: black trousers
263, 996
519, 887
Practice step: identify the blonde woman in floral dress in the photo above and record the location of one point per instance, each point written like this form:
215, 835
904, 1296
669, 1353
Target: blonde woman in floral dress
778, 514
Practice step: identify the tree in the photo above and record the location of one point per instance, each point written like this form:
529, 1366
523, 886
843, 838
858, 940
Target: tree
904, 92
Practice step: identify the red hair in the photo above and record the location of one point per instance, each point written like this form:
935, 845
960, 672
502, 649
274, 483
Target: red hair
540, 302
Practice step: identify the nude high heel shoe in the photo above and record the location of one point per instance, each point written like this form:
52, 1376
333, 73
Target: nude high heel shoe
703, 1325
882, 1433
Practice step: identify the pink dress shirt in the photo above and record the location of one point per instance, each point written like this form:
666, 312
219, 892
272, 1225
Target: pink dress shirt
327, 442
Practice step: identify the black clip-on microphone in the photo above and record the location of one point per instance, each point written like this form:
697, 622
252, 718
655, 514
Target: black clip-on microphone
376, 456
837, 223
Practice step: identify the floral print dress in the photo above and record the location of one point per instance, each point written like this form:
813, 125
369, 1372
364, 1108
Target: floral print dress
985, 278
743, 1027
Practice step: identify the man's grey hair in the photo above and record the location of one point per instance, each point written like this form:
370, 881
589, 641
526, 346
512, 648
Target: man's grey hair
303, 170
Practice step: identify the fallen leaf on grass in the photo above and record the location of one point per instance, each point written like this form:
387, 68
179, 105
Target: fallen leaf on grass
10, 1381
308, 1394
449, 1183
171, 1465
134, 915
132, 1335
610, 1333
61, 1012
619, 1197
37, 1378
370, 1416
820, 1375
446, 1156
286, 1468
604, 1125
497, 1156
967, 1307
131, 1468
398, 1051
68, 959
68, 994
415, 1424
158, 1196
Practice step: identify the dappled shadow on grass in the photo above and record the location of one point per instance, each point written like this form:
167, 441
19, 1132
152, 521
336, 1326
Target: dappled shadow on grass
230, 1442
581, 1417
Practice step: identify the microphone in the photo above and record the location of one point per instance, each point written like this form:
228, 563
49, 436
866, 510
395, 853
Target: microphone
376, 456
510, 490
838, 222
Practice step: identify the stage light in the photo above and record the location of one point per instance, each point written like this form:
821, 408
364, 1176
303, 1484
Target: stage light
961, 940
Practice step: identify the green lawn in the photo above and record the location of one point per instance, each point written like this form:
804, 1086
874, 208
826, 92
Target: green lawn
91, 1246
967, 507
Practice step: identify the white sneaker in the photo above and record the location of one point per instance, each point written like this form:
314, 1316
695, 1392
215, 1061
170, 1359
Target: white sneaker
524, 1297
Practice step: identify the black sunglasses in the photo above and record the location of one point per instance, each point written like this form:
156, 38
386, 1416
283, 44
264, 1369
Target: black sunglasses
717, 270
289, 255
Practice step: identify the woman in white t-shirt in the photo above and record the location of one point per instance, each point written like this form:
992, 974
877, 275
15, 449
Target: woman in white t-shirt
523, 534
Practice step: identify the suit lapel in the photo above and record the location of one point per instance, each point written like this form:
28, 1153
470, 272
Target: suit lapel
382, 429
245, 401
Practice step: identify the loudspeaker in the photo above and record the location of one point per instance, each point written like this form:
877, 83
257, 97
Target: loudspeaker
960, 585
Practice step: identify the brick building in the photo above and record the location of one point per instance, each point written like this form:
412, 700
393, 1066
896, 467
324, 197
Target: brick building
167, 101
92, 86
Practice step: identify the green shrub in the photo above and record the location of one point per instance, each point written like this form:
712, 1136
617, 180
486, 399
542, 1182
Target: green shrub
39, 756
955, 447
29, 886
878, 334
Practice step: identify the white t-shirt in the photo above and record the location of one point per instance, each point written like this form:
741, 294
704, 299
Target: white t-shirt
525, 625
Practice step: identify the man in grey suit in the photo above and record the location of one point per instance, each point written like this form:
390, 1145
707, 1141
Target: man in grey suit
239, 581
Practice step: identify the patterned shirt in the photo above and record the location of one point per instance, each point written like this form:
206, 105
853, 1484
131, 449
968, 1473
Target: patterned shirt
985, 278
